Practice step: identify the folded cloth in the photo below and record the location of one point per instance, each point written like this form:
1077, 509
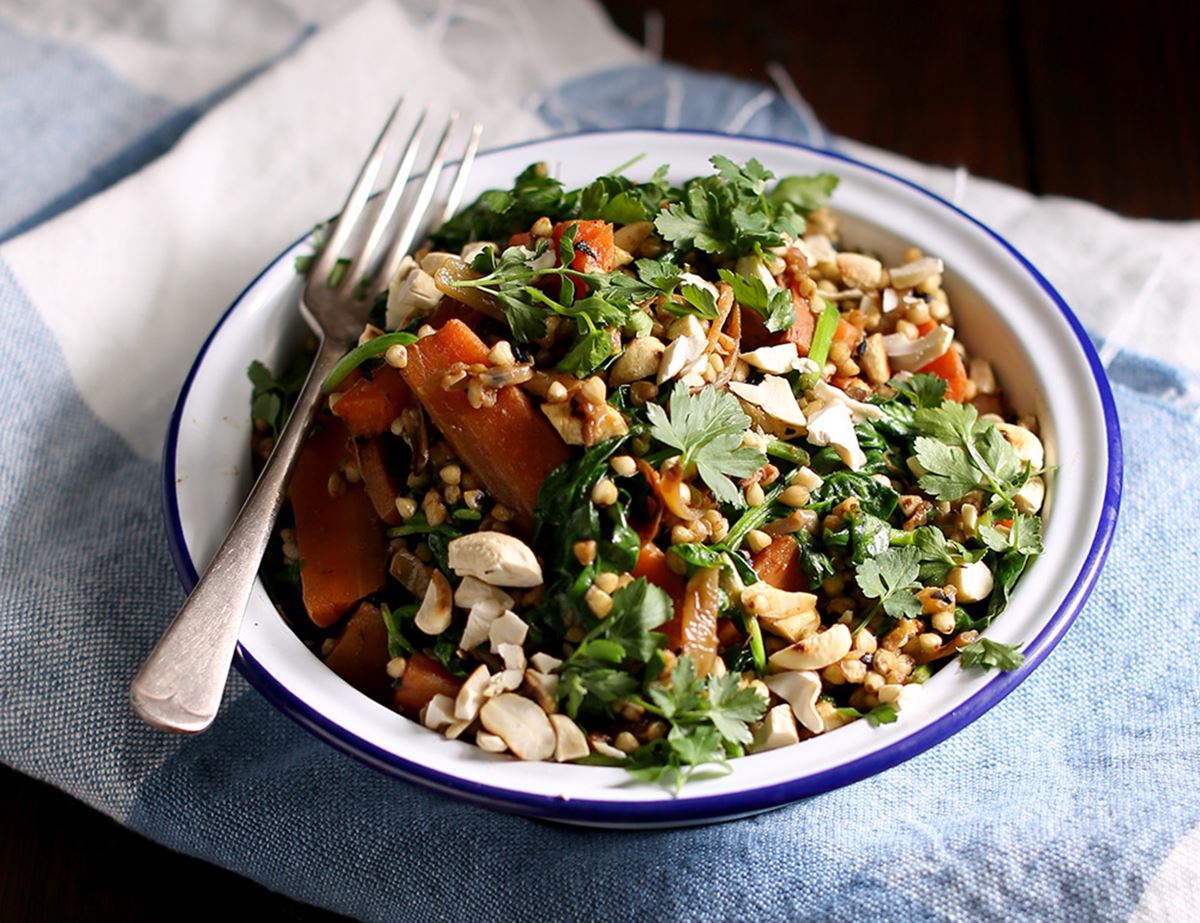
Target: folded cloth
1072, 799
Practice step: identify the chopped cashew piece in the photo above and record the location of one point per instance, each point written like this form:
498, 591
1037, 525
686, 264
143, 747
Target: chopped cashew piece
789, 615
521, 724
473, 591
911, 355
972, 582
438, 713
773, 359
479, 623
639, 360
470, 695
1031, 496
683, 351
454, 731
495, 558
833, 425
814, 652
416, 295
751, 267
507, 629
504, 681
859, 412
490, 742
604, 748
543, 689
774, 396
1027, 445
800, 689
434, 615
890, 300
513, 656
569, 742
544, 663
778, 730
860, 271
910, 275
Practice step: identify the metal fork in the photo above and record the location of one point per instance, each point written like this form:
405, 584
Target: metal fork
179, 687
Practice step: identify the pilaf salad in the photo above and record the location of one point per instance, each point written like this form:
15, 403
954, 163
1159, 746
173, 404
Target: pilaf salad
653, 475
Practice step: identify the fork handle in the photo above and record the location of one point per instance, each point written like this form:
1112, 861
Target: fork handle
180, 685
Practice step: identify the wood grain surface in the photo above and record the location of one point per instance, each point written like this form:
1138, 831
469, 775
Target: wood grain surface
1098, 101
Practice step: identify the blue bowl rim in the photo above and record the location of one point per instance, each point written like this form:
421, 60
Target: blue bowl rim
716, 807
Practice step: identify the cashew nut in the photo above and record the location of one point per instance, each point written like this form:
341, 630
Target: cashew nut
521, 724
495, 558
1027, 445
800, 689
570, 744
470, 695
778, 729
639, 360
434, 615
1031, 496
814, 652
971, 582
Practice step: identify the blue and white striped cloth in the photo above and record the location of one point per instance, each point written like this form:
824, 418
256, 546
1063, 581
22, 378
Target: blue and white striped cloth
144, 177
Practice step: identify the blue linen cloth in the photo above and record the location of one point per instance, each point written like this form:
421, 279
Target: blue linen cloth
1061, 803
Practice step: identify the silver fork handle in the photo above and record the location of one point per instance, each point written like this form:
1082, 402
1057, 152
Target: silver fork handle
179, 687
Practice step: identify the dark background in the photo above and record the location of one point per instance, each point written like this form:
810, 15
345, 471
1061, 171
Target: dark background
1097, 101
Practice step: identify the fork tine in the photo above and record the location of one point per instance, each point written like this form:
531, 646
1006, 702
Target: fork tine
362, 262
458, 187
412, 222
355, 201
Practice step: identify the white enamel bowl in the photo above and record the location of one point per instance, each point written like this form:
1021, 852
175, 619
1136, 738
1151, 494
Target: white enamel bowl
1005, 312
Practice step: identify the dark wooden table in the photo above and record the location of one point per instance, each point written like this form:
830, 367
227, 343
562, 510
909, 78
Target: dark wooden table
1099, 101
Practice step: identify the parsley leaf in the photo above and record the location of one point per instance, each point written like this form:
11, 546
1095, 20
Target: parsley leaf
661, 275
775, 307
600, 670
960, 453
272, 398
987, 654
889, 577
707, 429
709, 718
805, 193
701, 299
922, 390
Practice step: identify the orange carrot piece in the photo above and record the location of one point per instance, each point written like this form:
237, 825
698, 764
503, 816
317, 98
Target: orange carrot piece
510, 446
343, 556
779, 565
380, 485
449, 308
756, 335
593, 245
949, 365
652, 564
423, 678
694, 630
360, 653
369, 406
847, 333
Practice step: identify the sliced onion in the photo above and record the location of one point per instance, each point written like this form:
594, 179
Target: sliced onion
456, 270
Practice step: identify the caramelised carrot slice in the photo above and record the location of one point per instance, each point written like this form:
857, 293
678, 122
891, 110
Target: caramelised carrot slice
652, 564
343, 555
360, 653
510, 446
369, 406
423, 678
779, 565
756, 334
381, 486
694, 630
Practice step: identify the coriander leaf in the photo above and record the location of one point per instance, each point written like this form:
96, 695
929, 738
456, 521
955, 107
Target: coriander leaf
661, 275
987, 654
950, 474
750, 179
588, 354
707, 430
884, 713
922, 390
774, 306
732, 708
805, 193
1026, 534
701, 299
889, 577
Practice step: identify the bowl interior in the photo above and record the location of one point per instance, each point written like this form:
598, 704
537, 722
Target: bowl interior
1004, 312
